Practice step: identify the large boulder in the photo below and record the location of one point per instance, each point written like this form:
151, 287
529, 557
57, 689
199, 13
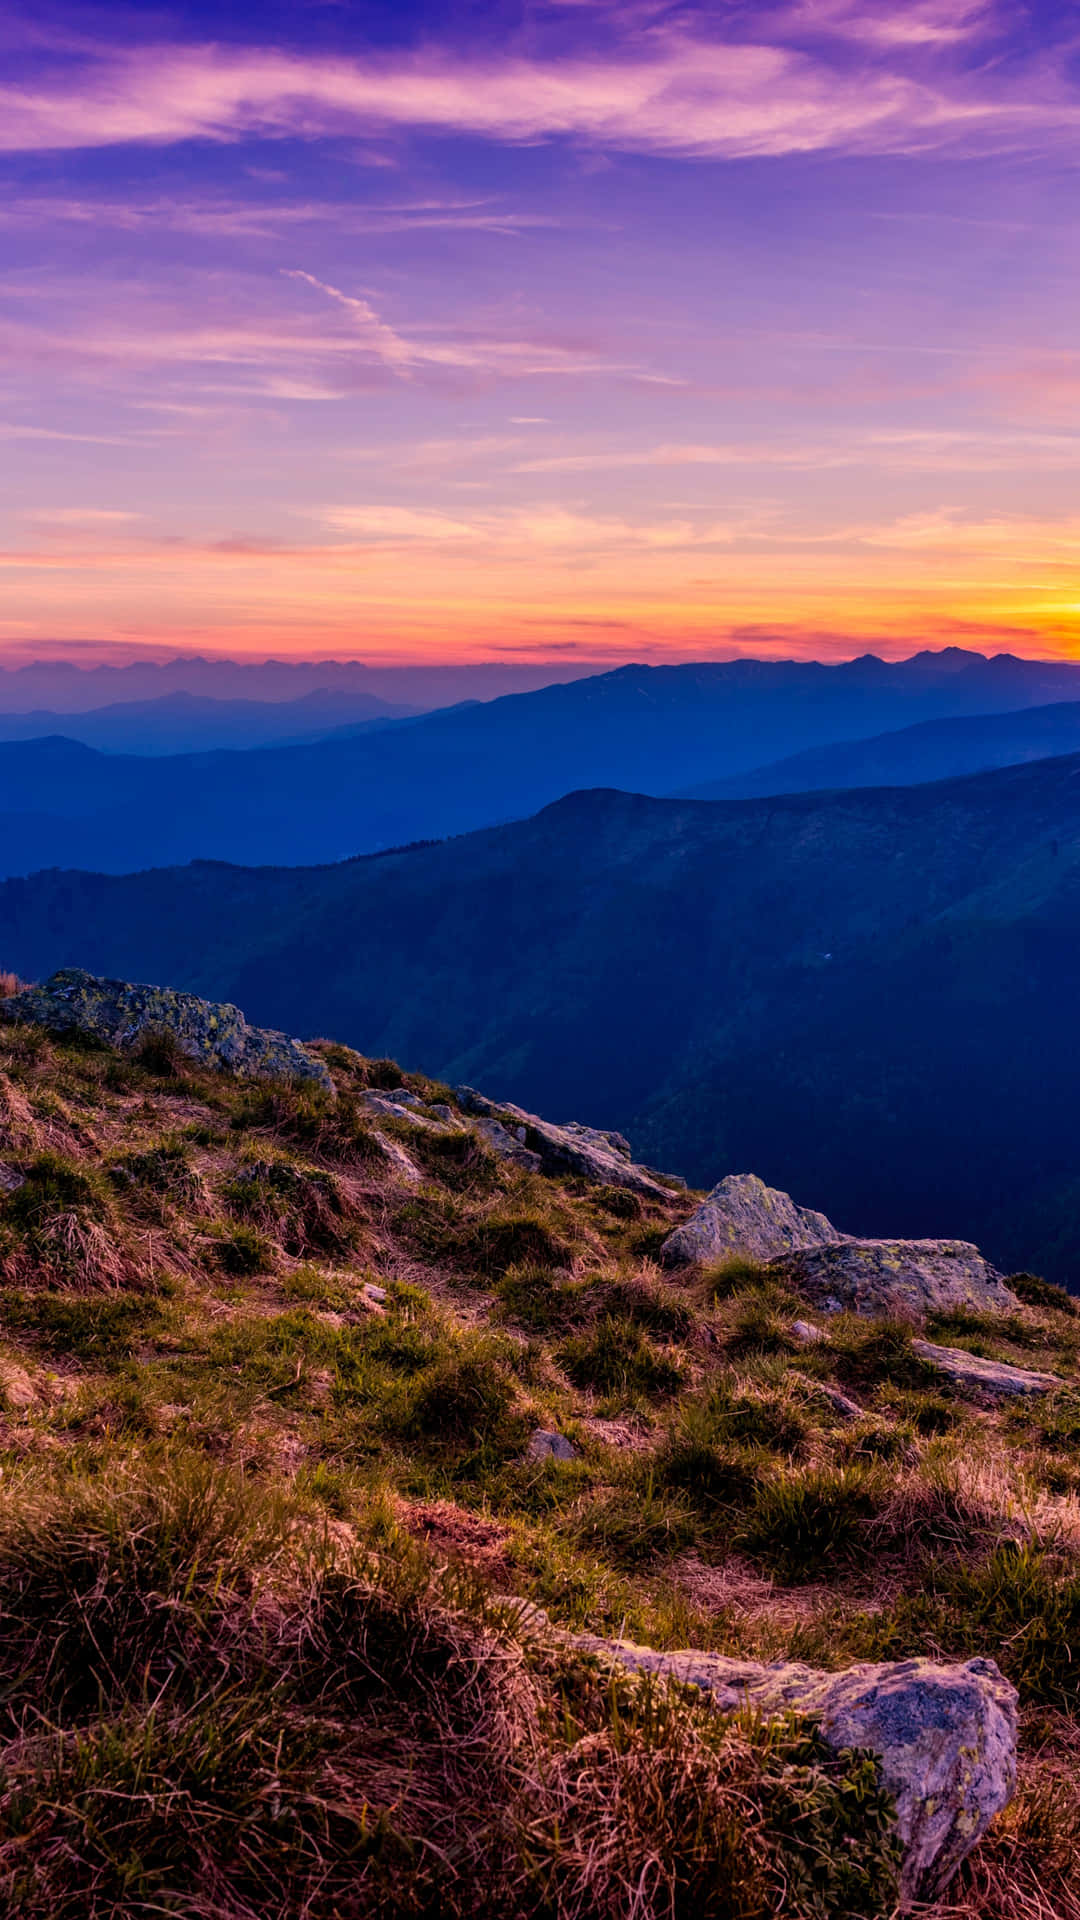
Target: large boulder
905, 1278
742, 1216
944, 1736
603, 1157
125, 1015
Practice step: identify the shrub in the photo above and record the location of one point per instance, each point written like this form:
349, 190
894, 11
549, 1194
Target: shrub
1037, 1292
503, 1240
86, 1326
801, 1522
160, 1053
466, 1399
737, 1275
302, 1207
459, 1160
536, 1297
616, 1358
631, 1526
643, 1304
241, 1251
864, 1353
763, 1323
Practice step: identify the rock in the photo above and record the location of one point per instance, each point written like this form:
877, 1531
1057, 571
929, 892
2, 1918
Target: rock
604, 1141
10, 1179
377, 1295
550, 1446
945, 1736
808, 1334
743, 1216
986, 1376
401, 1162
398, 1105
839, 1402
507, 1145
908, 1278
571, 1149
124, 1015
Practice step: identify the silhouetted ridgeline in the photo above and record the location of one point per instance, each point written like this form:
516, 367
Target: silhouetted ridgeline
869, 997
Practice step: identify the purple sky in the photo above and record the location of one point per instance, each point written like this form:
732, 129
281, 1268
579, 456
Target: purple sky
554, 330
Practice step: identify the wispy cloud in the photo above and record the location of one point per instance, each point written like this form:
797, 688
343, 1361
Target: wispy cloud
663, 90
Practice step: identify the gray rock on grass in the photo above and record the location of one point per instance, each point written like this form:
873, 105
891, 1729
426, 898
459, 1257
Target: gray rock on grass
944, 1736
545, 1445
124, 1015
905, 1278
572, 1149
995, 1377
742, 1216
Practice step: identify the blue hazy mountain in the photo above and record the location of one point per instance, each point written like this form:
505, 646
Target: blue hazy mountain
933, 750
178, 723
644, 729
868, 997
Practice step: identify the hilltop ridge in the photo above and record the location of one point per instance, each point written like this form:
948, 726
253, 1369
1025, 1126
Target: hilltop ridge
367, 1483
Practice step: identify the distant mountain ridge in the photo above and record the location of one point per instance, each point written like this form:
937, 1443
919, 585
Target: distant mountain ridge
932, 750
869, 997
642, 729
192, 723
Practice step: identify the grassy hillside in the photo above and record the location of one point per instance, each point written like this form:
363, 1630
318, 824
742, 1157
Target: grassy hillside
868, 998
268, 1519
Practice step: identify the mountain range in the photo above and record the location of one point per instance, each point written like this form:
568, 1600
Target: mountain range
645, 729
932, 750
193, 723
867, 997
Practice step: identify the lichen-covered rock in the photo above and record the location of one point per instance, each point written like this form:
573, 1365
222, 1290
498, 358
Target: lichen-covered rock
906, 1278
944, 1736
546, 1445
125, 1015
743, 1216
507, 1145
967, 1370
10, 1179
569, 1149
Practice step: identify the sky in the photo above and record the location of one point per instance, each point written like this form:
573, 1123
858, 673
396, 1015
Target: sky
566, 331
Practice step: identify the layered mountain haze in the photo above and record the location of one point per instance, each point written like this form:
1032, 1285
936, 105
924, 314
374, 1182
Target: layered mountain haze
933, 750
869, 996
192, 723
644, 729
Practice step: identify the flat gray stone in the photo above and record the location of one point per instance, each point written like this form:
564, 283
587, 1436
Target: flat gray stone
10, 1179
742, 1216
986, 1376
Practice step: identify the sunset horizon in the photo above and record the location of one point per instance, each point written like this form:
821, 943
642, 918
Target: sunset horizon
648, 331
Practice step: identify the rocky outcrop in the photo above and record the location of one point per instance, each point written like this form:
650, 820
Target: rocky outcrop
944, 1736
906, 1278
742, 1216
125, 1016
603, 1157
968, 1371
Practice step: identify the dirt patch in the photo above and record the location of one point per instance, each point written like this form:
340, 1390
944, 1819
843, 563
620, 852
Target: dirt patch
460, 1535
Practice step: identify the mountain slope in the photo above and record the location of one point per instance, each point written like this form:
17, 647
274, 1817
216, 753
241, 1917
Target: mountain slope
932, 750
870, 998
647, 729
192, 723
